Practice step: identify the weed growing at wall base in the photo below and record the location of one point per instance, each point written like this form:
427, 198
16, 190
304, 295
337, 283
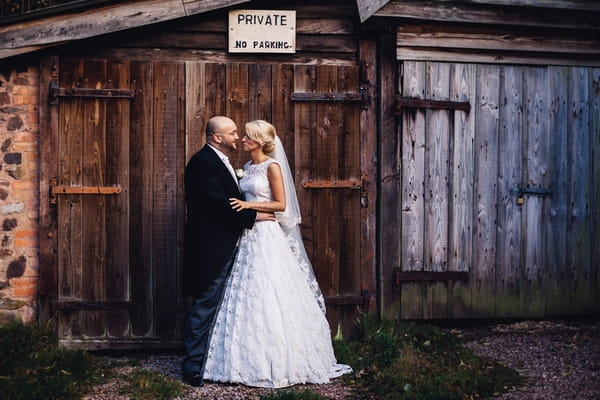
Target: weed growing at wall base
414, 361
33, 367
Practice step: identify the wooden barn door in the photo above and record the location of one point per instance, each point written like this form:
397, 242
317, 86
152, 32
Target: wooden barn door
487, 179
317, 112
113, 162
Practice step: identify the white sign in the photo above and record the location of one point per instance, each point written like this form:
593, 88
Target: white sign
262, 31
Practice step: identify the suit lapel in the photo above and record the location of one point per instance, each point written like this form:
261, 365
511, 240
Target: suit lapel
224, 171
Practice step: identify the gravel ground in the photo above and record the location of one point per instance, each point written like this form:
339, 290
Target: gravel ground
559, 359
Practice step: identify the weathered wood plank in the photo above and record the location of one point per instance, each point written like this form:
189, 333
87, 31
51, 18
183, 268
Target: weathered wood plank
164, 168
327, 166
482, 38
558, 279
486, 173
595, 201
510, 167
460, 229
259, 92
69, 140
437, 176
350, 227
37, 34
237, 106
304, 58
589, 5
195, 106
536, 152
495, 57
141, 199
368, 168
304, 128
477, 14
578, 225
180, 212
283, 113
93, 207
49, 123
390, 183
413, 194
117, 207
324, 26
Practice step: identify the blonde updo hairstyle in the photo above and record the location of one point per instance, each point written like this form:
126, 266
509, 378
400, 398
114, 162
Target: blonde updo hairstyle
262, 133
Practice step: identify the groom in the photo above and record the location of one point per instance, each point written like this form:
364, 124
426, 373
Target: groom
212, 230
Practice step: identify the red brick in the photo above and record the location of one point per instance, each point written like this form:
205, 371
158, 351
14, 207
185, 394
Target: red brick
24, 291
25, 234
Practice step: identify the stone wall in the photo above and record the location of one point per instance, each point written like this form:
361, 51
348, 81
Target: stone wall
19, 177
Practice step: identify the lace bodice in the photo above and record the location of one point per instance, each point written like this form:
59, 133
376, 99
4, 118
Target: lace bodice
255, 182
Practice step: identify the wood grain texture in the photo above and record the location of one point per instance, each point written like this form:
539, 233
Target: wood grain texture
141, 198
117, 207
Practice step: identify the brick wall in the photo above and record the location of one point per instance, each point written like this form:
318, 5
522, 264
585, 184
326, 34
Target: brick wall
19, 171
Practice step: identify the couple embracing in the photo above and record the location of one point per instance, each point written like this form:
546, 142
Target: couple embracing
258, 316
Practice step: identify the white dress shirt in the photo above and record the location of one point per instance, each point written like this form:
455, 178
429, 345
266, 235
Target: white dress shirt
225, 160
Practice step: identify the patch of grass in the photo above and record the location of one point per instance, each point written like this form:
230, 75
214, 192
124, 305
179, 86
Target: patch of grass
288, 394
415, 361
32, 366
149, 385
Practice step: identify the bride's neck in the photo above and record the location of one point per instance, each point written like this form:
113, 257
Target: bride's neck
257, 156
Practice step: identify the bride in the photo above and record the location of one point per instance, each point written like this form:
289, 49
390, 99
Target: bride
270, 330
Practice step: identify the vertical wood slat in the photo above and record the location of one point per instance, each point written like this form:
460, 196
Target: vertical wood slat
486, 171
48, 273
326, 157
304, 127
595, 201
558, 295
237, 93
195, 103
510, 165
181, 151
117, 207
94, 208
460, 241
437, 175
282, 112
259, 93
165, 198
536, 152
69, 207
413, 196
349, 228
390, 167
578, 225
141, 200
368, 168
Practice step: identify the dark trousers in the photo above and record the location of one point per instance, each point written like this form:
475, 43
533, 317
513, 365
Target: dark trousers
200, 323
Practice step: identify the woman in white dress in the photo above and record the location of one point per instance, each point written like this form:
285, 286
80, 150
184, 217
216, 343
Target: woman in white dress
270, 330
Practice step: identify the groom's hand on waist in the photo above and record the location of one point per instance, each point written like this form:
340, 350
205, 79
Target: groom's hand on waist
263, 216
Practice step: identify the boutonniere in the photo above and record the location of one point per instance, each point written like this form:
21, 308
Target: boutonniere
239, 173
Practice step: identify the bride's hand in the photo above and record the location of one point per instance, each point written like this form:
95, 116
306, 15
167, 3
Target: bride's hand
237, 204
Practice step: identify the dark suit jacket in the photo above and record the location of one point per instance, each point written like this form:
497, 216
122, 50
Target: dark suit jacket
212, 227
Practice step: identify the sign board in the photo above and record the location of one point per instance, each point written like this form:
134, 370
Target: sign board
262, 31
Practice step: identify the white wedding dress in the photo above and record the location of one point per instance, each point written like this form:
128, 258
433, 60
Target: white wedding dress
270, 329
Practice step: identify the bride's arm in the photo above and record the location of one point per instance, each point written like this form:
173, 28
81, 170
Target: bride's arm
277, 189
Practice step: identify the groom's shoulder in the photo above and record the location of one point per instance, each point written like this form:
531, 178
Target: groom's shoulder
204, 154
